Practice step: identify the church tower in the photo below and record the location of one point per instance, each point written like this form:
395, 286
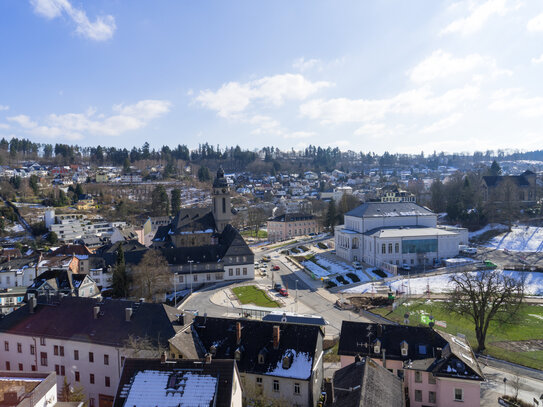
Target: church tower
222, 210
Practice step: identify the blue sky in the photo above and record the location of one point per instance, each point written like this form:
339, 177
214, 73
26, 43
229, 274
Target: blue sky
401, 76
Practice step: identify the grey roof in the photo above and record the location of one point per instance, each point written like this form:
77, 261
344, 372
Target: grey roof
292, 217
366, 384
389, 209
72, 318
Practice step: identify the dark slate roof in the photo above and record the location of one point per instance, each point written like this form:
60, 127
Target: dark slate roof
72, 318
356, 336
234, 242
366, 384
386, 209
223, 370
69, 249
256, 337
195, 216
292, 217
519, 180
220, 181
128, 246
19, 263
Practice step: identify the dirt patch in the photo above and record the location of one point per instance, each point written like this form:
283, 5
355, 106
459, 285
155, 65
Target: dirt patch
521, 346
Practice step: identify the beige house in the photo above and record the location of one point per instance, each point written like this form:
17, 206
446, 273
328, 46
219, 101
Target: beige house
291, 225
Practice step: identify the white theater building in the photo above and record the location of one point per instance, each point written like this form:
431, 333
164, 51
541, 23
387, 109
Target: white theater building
392, 234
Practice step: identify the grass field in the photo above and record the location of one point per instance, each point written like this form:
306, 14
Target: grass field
249, 294
499, 341
262, 234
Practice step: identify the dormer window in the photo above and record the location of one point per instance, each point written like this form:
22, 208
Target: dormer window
377, 346
262, 356
213, 350
237, 354
404, 347
287, 361
422, 349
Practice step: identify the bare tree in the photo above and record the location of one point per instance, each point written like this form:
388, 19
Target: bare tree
256, 217
485, 296
151, 276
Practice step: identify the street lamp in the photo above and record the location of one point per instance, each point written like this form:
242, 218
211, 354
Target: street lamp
296, 296
190, 271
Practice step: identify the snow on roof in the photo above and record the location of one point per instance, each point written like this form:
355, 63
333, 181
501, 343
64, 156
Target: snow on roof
150, 388
300, 367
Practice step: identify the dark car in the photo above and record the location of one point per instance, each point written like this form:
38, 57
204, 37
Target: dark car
277, 286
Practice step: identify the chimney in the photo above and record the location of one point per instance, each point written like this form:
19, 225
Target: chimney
379, 330
238, 333
163, 357
384, 358
127, 314
208, 358
276, 336
96, 312
32, 301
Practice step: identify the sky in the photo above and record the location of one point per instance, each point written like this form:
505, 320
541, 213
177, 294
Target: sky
372, 76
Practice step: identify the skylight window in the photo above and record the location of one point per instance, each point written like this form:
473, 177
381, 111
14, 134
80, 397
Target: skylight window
422, 349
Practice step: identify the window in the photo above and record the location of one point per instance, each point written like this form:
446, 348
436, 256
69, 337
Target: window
19, 347
458, 395
208, 277
259, 380
397, 248
6, 346
108, 382
42, 341
91, 378
237, 271
180, 279
432, 396
418, 377
276, 385
43, 358
383, 248
390, 247
431, 378
91, 402
57, 369
244, 271
61, 349
418, 395
33, 367
21, 367
55, 350
62, 370
91, 357
76, 376
76, 354
106, 359
195, 277
296, 388
231, 272
32, 350
224, 205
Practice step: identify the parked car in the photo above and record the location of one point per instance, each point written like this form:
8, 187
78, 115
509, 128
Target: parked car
266, 259
277, 286
275, 268
357, 265
283, 292
470, 250
406, 267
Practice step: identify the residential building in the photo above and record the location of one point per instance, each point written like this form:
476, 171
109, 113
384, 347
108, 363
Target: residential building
282, 362
365, 383
84, 339
11, 299
64, 282
521, 189
437, 368
396, 195
291, 225
391, 234
157, 382
29, 389
18, 272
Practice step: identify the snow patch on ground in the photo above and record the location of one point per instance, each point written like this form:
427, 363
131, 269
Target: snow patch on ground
442, 284
520, 239
490, 226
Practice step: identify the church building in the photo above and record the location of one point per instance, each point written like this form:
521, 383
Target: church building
201, 245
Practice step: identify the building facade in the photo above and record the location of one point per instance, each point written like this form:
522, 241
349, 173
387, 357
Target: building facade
291, 225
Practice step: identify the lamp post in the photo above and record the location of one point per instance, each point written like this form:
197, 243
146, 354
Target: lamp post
190, 271
296, 296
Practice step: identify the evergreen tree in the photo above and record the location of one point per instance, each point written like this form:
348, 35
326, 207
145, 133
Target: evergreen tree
176, 200
126, 166
495, 169
203, 174
120, 277
331, 217
438, 198
159, 201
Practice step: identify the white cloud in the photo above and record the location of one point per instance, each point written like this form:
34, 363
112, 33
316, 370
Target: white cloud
535, 24
302, 64
4, 126
76, 125
538, 60
4, 107
442, 64
514, 100
300, 135
479, 13
419, 102
101, 29
442, 124
233, 97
